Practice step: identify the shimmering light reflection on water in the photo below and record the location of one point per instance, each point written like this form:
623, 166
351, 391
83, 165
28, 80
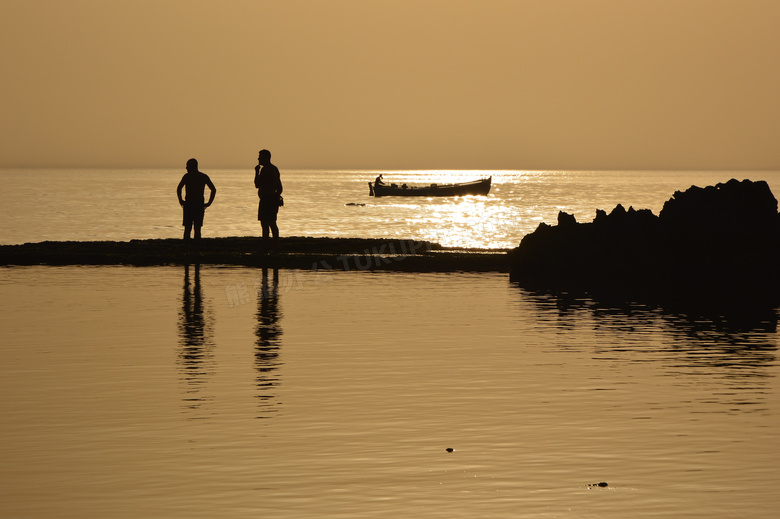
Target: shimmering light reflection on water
231, 392
139, 204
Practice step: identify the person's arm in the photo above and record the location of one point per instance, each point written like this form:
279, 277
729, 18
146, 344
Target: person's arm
178, 192
212, 193
257, 176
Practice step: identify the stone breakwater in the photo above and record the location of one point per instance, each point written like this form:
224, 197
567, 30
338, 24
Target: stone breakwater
346, 254
719, 241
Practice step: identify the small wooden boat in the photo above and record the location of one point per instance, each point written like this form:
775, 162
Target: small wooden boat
476, 187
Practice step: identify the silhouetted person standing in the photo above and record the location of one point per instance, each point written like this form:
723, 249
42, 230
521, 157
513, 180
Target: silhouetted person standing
268, 182
193, 204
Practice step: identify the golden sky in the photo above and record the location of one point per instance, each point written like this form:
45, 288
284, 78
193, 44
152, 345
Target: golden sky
391, 84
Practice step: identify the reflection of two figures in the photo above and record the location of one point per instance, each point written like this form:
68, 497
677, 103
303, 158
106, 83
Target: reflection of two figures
195, 337
269, 333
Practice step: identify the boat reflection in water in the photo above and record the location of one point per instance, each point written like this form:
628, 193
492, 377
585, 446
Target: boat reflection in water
196, 340
269, 333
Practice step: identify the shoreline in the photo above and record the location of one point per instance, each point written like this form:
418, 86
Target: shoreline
294, 253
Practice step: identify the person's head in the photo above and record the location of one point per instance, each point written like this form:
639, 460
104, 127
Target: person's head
264, 157
192, 165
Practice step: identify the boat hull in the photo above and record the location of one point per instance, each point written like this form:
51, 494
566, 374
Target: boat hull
477, 187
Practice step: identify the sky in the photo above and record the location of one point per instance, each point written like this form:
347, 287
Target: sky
391, 84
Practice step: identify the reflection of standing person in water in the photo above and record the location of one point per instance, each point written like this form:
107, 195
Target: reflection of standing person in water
269, 188
194, 205
194, 337
269, 333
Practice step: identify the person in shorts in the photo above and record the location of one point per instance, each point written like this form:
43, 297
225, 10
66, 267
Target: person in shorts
269, 188
194, 183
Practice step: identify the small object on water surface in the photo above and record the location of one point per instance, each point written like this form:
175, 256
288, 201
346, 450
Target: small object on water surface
602, 484
450, 449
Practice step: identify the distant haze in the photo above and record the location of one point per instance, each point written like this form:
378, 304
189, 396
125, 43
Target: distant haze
391, 84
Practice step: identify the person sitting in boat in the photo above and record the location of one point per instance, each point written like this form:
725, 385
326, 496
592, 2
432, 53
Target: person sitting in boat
378, 181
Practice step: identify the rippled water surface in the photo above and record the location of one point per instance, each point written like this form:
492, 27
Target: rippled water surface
233, 392
137, 204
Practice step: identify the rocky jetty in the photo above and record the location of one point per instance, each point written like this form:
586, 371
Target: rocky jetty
348, 254
719, 242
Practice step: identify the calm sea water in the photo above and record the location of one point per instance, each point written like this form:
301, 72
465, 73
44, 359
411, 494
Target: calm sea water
234, 392
124, 205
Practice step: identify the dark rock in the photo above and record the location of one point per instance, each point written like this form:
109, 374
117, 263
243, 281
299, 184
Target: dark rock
725, 206
721, 241
307, 253
566, 219
618, 212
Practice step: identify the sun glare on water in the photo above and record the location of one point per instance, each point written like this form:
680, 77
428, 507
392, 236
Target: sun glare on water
473, 222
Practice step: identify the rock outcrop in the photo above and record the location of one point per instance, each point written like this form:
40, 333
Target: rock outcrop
296, 252
720, 241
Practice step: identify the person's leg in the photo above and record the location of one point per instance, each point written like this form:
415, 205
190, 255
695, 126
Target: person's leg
275, 234
197, 219
188, 220
264, 237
